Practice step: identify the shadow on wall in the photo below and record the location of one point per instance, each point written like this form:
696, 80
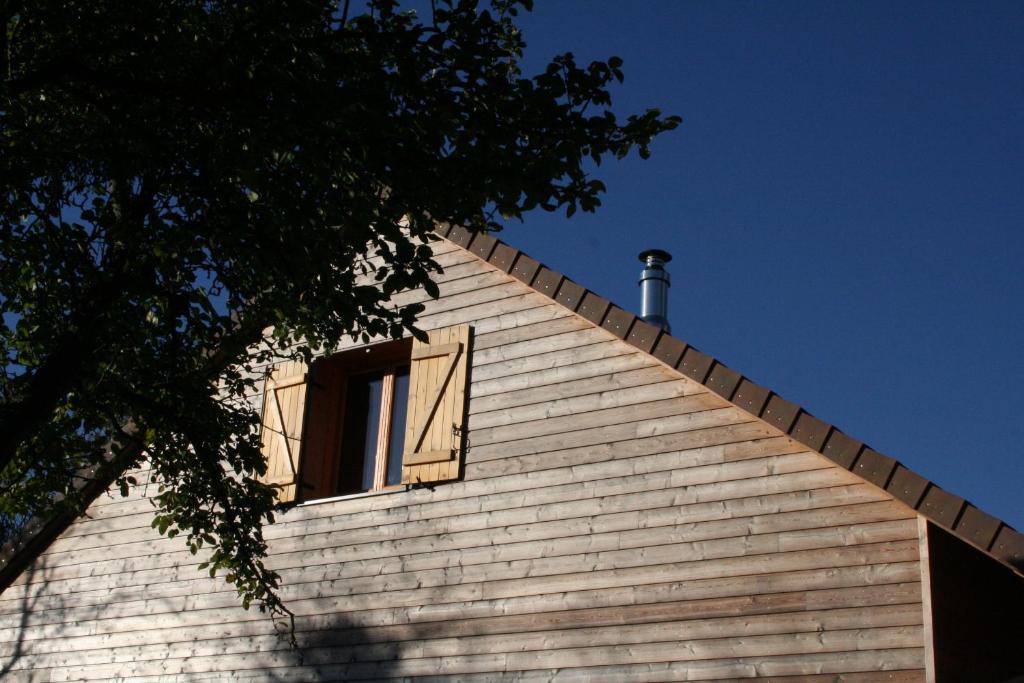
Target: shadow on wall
14, 648
338, 651
330, 648
46, 636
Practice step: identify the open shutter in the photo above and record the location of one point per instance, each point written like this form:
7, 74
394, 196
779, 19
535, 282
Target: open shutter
284, 408
437, 391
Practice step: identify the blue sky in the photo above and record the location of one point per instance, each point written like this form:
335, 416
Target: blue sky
845, 204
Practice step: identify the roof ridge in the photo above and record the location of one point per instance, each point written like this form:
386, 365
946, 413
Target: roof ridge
955, 514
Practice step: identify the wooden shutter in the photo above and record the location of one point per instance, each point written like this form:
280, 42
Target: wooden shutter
284, 408
434, 421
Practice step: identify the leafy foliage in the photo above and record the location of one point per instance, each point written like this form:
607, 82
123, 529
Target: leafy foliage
181, 177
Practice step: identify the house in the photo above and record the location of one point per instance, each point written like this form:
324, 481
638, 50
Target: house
548, 489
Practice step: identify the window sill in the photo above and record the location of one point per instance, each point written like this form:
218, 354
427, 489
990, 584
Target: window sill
352, 496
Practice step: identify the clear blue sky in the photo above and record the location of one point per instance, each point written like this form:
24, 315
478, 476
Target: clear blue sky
844, 201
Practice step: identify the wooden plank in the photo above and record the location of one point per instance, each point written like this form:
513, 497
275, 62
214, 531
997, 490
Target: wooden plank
468, 277
697, 446
644, 613
555, 342
711, 461
493, 316
873, 676
138, 516
110, 505
443, 253
665, 476
510, 313
611, 478
850, 571
482, 405
888, 661
459, 267
294, 434
454, 423
513, 550
660, 672
824, 520
587, 403
557, 375
502, 288
688, 632
926, 601
619, 494
710, 559
152, 587
702, 447
551, 359
605, 560
148, 543
616, 564
431, 400
137, 494
896, 665
321, 565
566, 323
658, 531
814, 488
901, 595
641, 492
768, 620
441, 430
431, 642
621, 432
841, 641
565, 422
671, 451
350, 645
723, 648
456, 408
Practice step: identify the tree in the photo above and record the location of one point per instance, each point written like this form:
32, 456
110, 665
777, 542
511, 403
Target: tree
180, 177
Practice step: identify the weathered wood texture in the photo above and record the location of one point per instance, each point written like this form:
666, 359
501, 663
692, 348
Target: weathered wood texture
614, 522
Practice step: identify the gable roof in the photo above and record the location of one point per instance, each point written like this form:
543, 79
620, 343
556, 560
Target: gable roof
991, 535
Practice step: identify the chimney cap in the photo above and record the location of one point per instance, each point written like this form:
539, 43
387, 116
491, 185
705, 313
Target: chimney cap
659, 254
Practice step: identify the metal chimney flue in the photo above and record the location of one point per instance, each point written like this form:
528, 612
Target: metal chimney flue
654, 284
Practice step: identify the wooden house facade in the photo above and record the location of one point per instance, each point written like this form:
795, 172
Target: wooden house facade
549, 489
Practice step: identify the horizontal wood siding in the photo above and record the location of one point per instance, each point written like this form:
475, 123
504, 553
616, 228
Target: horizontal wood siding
615, 522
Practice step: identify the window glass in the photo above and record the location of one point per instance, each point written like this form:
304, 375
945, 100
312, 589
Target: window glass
374, 392
359, 435
396, 443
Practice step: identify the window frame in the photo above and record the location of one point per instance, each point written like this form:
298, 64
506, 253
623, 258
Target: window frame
322, 462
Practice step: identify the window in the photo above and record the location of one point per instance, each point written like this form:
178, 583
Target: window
355, 428
374, 430
378, 417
